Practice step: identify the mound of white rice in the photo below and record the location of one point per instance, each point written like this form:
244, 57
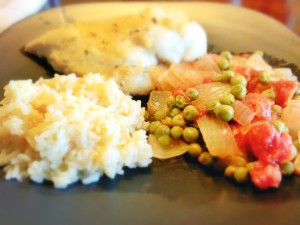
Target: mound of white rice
67, 129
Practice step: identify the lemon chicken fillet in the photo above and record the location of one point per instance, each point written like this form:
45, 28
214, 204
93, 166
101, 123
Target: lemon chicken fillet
124, 47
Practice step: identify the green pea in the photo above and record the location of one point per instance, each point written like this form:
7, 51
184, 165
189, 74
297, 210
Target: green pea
190, 113
264, 77
229, 171
212, 105
180, 101
206, 159
277, 109
270, 93
279, 125
178, 120
175, 112
226, 54
238, 79
164, 140
192, 93
162, 130
224, 112
153, 126
160, 114
241, 174
176, 132
171, 101
227, 99
190, 134
227, 75
236, 160
194, 150
287, 168
239, 91
223, 64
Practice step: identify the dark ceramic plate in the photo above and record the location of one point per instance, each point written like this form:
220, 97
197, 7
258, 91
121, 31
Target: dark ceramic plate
173, 192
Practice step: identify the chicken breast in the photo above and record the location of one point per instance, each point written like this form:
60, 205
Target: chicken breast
123, 47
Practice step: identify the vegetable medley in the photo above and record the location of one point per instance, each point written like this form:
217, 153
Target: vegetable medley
234, 113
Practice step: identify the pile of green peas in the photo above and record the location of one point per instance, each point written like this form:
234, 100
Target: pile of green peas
177, 123
222, 108
239, 168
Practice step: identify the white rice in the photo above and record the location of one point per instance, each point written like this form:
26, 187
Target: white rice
68, 129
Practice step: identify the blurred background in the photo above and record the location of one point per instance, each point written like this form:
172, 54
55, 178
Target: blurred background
285, 11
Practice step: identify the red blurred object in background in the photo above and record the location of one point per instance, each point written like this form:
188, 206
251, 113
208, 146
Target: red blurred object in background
285, 11
279, 9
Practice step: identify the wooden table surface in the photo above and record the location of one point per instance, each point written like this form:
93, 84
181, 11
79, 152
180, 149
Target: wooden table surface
285, 11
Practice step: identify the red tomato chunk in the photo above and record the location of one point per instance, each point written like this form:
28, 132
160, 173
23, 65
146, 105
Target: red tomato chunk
265, 175
260, 104
269, 145
285, 90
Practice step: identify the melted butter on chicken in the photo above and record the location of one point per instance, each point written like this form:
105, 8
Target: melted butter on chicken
124, 47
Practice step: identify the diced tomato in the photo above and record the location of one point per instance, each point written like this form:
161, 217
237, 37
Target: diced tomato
253, 81
202, 111
179, 91
207, 80
242, 70
268, 144
245, 55
240, 137
285, 90
207, 63
265, 175
261, 105
254, 85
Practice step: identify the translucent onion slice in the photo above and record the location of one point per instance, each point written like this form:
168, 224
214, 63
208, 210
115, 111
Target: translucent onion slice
290, 116
257, 62
242, 113
158, 101
176, 149
283, 73
156, 72
207, 63
209, 92
163, 82
175, 78
195, 77
294, 103
238, 61
218, 137
187, 75
159, 75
